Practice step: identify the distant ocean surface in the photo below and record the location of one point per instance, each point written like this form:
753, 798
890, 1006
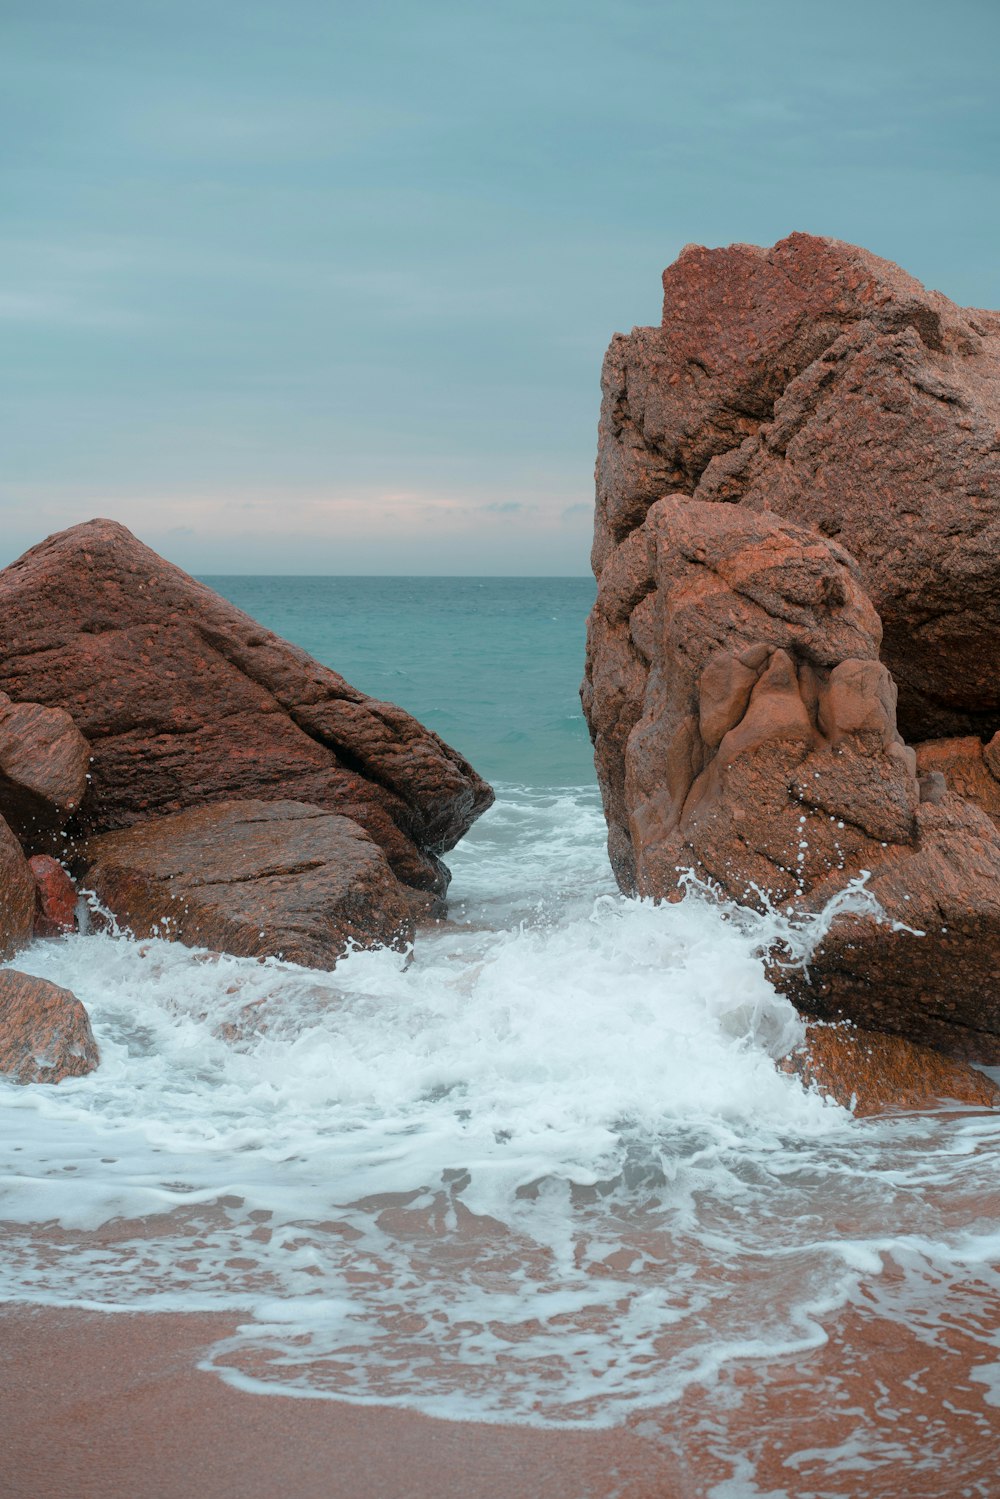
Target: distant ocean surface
493, 665
543, 1170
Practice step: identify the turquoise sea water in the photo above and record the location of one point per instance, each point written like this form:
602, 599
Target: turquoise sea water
493, 665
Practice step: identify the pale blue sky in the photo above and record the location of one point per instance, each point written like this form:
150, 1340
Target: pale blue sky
323, 287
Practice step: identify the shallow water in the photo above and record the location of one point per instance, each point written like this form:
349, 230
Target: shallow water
544, 1170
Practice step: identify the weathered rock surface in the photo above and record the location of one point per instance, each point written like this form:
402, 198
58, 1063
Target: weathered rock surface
187, 701
257, 879
17, 895
44, 761
965, 766
45, 1033
825, 385
870, 1073
796, 544
55, 897
745, 730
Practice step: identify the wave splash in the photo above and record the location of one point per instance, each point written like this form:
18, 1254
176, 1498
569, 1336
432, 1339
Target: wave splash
545, 1171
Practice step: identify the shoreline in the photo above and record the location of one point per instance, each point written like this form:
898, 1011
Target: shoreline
130, 1416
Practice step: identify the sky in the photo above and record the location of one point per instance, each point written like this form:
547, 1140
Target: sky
321, 287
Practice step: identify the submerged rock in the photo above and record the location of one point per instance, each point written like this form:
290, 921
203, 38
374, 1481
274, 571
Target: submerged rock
44, 761
17, 895
55, 897
871, 1073
45, 1034
750, 679
257, 879
188, 701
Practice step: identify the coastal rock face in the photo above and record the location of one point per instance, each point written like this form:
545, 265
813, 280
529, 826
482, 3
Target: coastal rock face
55, 897
762, 756
798, 525
17, 895
870, 1073
45, 1034
188, 701
44, 761
825, 385
257, 879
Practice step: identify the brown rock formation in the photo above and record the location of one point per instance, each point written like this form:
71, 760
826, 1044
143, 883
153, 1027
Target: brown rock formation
44, 761
186, 700
825, 385
745, 730
17, 895
870, 1073
55, 897
257, 879
741, 687
45, 1034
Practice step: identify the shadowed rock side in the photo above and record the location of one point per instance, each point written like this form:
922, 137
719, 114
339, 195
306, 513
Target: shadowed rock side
745, 730
820, 383
255, 879
17, 895
186, 700
55, 897
45, 1034
44, 761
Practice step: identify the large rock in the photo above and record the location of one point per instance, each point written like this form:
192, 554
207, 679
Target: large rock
258, 879
17, 895
745, 732
825, 385
44, 760
186, 700
45, 1033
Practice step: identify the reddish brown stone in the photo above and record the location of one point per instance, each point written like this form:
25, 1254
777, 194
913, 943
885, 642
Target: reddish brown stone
258, 879
745, 731
960, 765
820, 383
187, 700
17, 895
45, 1034
55, 897
44, 760
870, 1073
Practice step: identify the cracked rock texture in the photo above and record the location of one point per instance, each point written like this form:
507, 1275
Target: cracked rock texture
257, 879
186, 700
796, 544
45, 1033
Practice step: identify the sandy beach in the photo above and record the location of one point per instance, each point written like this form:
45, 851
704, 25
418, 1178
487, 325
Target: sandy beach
114, 1407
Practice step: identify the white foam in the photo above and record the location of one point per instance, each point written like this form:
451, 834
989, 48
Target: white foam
546, 1171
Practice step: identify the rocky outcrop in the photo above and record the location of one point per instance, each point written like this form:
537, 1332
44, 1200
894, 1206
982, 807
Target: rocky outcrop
820, 383
44, 760
257, 879
55, 897
186, 701
798, 521
17, 895
762, 756
871, 1073
45, 1035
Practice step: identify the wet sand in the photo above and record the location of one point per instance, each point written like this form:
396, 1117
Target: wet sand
113, 1406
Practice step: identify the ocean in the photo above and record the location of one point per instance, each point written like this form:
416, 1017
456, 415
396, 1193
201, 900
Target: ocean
544, 1169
